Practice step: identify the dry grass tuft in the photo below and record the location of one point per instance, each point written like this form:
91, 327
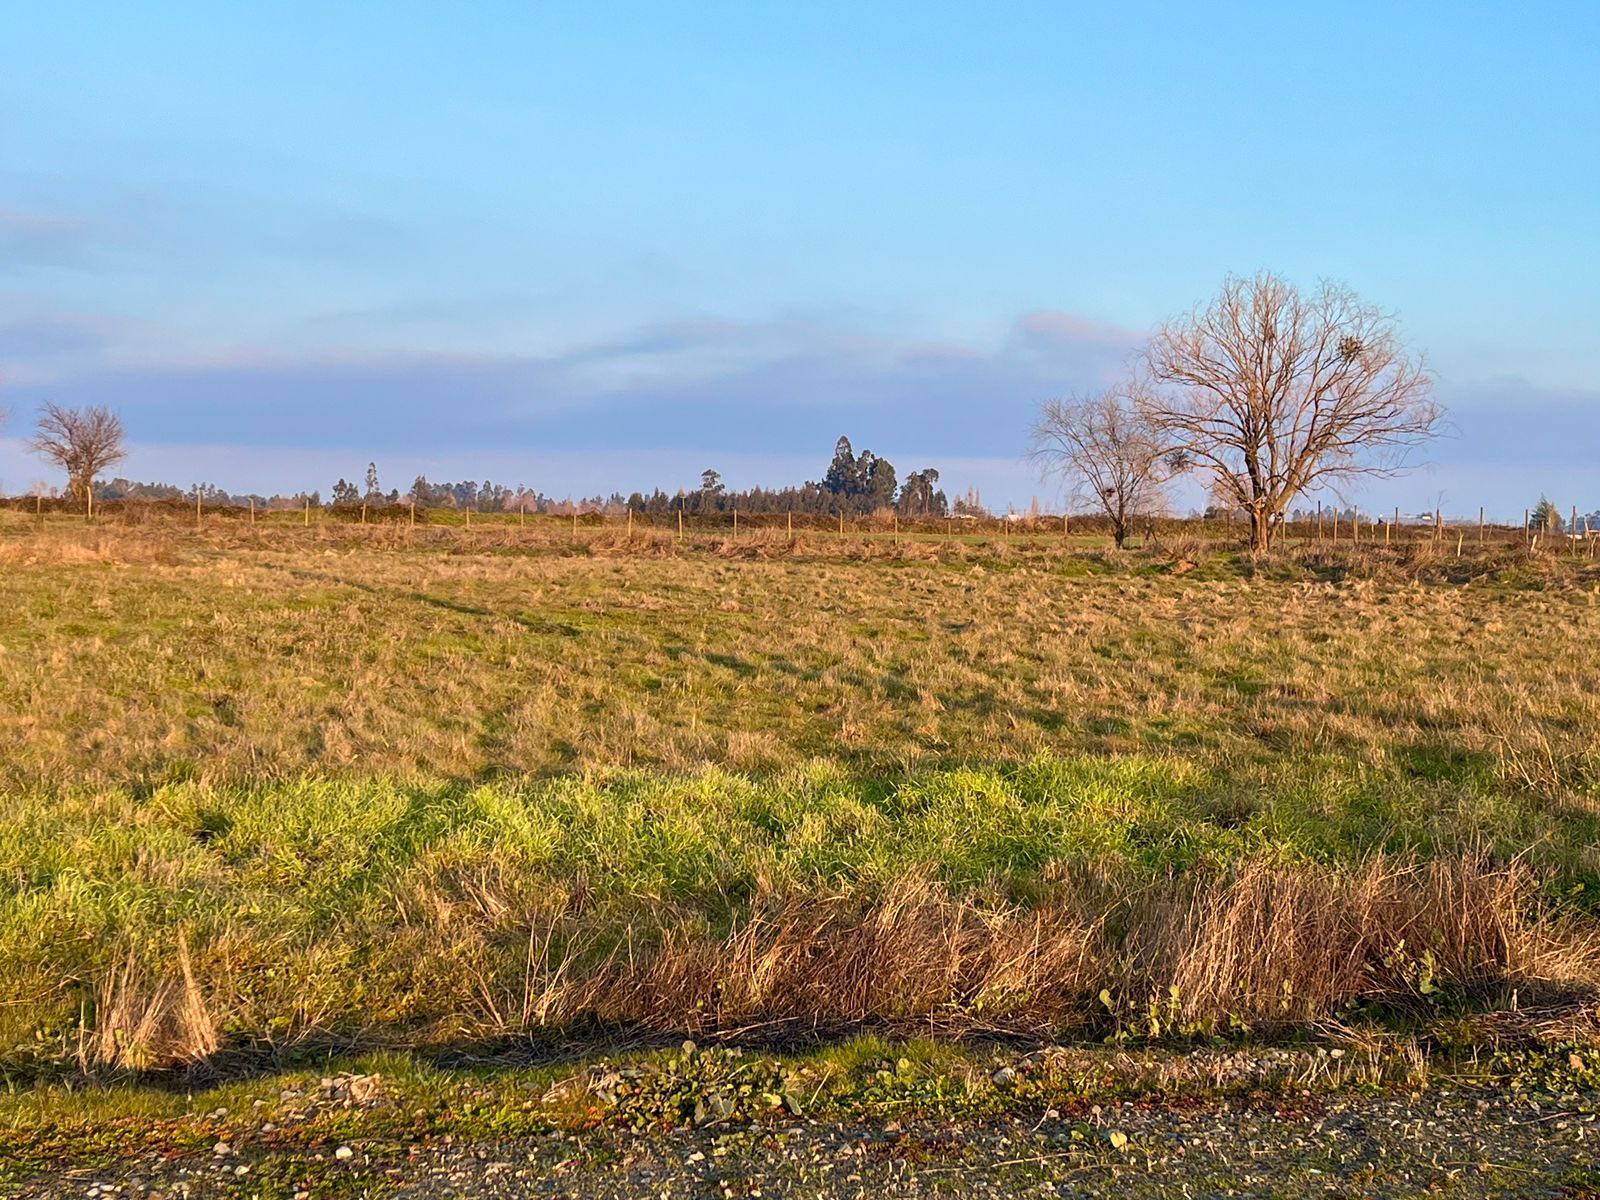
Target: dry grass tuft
144, 1019
915, 956
1263, 947
1275, 946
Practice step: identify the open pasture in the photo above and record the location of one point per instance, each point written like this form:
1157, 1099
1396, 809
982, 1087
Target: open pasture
267, 791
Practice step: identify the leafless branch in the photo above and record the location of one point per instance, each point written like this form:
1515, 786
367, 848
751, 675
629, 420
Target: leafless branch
1103, 447
1272, 393
82, 442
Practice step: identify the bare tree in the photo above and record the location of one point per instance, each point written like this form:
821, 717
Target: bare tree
82, 442
1274, 393
1102, 445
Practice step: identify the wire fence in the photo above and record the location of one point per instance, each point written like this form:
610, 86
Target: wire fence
1331, 526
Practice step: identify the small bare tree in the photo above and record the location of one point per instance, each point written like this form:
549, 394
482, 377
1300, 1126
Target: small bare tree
1102, 446
1274, 393
82, 442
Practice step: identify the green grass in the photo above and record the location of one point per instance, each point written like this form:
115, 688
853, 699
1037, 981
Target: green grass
324, 911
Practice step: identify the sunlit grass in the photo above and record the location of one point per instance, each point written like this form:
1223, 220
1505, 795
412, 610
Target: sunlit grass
135, 658
364, 788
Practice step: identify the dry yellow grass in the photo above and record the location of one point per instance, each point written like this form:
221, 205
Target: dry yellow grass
1258, 948
133, 656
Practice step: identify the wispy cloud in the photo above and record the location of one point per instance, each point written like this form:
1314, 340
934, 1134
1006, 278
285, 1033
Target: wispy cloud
31, 239
54, 335
1077, 329
39, 342
1514, 423
756, 387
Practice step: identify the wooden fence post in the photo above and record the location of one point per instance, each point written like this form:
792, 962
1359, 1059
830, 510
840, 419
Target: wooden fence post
308, 512
1480, 524
680, 522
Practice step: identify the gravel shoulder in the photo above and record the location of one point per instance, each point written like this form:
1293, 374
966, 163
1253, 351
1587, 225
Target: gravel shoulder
1452, 1146
1446, 1139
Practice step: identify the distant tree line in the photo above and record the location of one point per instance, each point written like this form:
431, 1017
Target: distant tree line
209, 494
853, 485
85, 442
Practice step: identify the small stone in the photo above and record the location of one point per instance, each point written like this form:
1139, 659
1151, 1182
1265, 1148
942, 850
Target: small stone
1004, 1076
343, 1153
222, 1149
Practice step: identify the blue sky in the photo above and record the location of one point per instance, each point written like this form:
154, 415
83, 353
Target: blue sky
587, 246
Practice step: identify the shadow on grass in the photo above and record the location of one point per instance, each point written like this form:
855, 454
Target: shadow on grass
1471, 1023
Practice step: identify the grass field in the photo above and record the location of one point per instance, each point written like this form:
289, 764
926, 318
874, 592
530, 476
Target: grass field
275, 791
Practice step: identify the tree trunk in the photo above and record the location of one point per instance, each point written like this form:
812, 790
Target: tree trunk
1260, 532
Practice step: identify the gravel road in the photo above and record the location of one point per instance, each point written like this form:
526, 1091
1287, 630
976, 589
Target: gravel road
1440, 1143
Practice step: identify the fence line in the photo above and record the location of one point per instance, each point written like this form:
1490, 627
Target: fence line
1331, 526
